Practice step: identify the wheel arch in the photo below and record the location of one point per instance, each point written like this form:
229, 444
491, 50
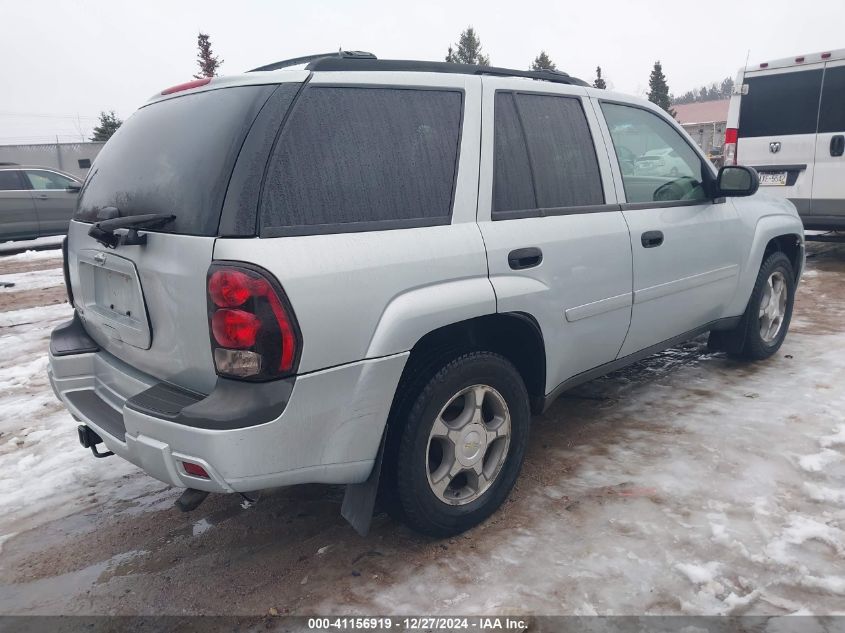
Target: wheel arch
772, 233
515, 335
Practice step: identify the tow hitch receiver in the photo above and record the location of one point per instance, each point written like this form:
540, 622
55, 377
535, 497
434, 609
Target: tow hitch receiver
89, 439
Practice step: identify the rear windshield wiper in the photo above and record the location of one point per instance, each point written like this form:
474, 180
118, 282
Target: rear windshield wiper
104, 232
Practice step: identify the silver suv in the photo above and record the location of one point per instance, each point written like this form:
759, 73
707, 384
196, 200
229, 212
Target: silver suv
372, 272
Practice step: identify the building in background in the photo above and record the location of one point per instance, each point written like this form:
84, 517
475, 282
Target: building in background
705, 122
72, 158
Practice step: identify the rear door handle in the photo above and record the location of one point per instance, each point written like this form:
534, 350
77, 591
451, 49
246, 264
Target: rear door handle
525, 258
650, 239
42, 196
837, 145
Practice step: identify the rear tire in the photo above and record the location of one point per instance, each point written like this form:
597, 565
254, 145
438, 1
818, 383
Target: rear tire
461, 446
766, 320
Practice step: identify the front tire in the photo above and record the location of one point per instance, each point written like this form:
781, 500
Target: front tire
769, 310
462, 444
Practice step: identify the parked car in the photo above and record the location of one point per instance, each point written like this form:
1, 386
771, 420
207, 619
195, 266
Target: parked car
664, 161
787, 119
35, 202
372, 272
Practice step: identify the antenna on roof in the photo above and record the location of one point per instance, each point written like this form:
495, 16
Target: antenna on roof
296, 61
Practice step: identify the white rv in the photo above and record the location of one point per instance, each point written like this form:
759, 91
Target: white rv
787, 120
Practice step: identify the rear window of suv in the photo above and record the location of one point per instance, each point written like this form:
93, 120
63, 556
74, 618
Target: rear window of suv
782, 103
174, 156
355, 159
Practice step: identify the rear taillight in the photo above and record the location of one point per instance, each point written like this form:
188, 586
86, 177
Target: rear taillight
254, 334
731, 136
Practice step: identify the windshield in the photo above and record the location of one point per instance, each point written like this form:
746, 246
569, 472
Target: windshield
175, 157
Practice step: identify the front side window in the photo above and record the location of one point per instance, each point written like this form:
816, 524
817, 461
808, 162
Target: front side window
544, 155
43, 180
9, 180
364, 159
657, 164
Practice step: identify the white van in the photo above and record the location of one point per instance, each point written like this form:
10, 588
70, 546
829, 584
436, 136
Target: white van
787, 120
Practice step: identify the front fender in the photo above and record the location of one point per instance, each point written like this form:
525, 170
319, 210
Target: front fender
777, 217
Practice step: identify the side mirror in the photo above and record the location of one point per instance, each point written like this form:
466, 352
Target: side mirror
736, 180
74, 187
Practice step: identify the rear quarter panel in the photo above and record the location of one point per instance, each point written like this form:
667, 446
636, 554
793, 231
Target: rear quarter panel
375, 293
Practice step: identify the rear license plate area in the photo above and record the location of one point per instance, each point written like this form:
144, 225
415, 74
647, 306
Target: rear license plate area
773, 178
112, 300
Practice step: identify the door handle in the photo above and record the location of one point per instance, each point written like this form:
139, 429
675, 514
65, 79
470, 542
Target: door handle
42, 196
837, 144
525, 258
650, 239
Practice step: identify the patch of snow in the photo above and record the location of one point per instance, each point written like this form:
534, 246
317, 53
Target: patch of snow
698, 574
817, 462
44, 244
201, 527
31, 280
825, 493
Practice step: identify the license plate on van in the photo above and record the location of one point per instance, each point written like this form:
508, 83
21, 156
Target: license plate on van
773, 178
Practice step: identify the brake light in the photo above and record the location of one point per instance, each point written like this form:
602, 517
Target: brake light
196, 83
254, 334
235, 328
731, 137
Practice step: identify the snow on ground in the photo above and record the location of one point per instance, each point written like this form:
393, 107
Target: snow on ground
44, 473
31, 280
41, 243
686, 484
716, 488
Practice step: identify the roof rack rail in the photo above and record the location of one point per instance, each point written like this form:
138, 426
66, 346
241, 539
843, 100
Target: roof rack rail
286, 63
362, 63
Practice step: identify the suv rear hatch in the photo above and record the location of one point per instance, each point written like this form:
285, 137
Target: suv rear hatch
146, 304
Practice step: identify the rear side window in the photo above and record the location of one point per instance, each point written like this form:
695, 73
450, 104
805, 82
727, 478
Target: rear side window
352, 159
832, 111
9, 180
544, 155
786, 103
174, 156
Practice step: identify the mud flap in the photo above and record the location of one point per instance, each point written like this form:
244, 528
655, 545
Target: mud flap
359, 500
729, 341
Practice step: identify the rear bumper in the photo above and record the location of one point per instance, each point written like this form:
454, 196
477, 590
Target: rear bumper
324, 427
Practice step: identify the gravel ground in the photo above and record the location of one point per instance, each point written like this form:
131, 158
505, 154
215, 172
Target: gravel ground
685, 484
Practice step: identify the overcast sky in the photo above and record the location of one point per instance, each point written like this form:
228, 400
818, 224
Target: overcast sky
63, 62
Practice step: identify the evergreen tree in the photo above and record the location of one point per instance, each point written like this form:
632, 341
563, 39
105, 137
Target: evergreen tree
107, 126
543, 62
658, 89
599, 82
468, 50
206, 59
